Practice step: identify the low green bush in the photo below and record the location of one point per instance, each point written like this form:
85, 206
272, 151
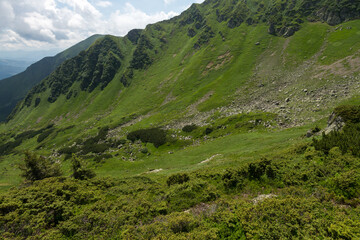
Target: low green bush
44, 135
80, 171
189, 128
38, 167
178, 178
155, 136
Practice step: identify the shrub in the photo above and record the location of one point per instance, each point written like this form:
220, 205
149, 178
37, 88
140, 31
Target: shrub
9, 146
155, 136
189, 128
39, 167
179, 178
99, 158
234, 179
208, 131
258, 169
44, 135
347, 184
79, 170
348, 113
69, 150
37, 101
348, 140
144, 150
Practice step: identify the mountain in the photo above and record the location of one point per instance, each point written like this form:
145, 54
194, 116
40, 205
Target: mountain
9, 67
15, 88
233, 120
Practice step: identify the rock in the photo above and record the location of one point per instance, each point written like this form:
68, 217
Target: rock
271, 29
309, 134
262, 197
287, 100
335, 123
289, 32
257, 43
333, 18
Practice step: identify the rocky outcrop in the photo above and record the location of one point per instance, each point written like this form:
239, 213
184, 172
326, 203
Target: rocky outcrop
335, 123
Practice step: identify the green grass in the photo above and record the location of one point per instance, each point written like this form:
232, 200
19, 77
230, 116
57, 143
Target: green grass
306, 42
342, 42
232, 150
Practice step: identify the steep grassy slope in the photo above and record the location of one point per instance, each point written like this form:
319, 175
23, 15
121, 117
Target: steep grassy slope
15, 88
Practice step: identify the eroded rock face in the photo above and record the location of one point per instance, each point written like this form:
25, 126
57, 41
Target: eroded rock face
335, 123
335, 17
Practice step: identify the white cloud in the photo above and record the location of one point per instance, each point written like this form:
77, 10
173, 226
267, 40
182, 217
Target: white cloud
123, 21
6, 13
46, 24
104, 4
169, 1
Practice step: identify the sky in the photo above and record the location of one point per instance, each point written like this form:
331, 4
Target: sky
37, 28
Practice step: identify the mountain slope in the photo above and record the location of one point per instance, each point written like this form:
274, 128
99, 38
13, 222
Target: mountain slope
204, 49
15, 88
193, 69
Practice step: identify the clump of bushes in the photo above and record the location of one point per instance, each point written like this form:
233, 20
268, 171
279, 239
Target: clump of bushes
208, 131
44, 135
91, 145
350, 114
189, 128
80, 171
141, 58
348, 140
155, 136
37, 101
178, 178
8, 147
101, 157
253, 171
38, 167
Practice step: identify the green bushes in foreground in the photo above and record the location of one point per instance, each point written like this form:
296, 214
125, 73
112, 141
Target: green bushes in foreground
299, 193
263, 204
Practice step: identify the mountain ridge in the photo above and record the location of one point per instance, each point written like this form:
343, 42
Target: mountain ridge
11, 93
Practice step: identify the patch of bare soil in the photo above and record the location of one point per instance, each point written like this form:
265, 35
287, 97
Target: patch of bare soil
341, 67
220, 61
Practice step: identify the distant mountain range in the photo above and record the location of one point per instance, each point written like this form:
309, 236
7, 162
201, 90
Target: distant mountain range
10, 67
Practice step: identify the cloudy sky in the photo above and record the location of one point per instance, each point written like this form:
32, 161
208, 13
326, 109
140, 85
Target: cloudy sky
53, 25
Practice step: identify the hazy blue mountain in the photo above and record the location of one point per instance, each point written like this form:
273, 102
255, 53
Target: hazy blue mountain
9, 67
